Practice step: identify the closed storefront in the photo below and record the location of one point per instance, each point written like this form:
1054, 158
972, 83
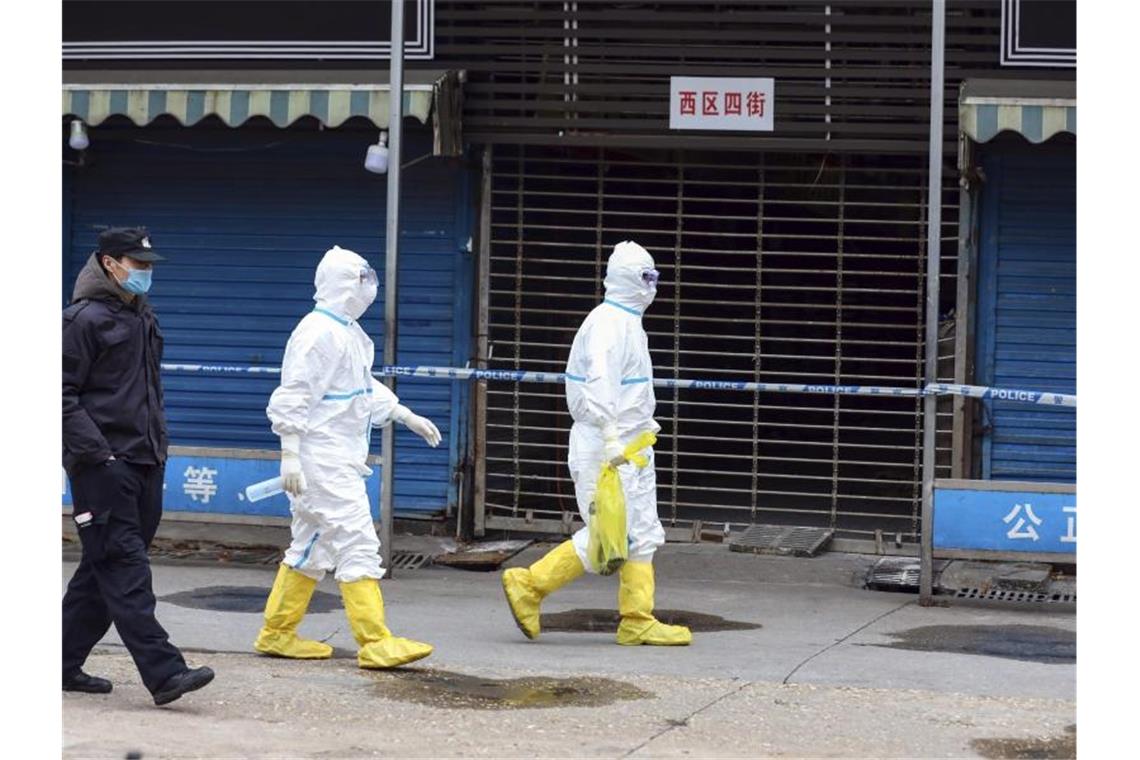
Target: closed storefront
775, 268
790, 252
1024, 160
792, 249
243, 213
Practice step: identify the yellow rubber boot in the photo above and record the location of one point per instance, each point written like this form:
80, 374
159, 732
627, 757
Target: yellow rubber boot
635, 602
364, 606
284, 609
526, 587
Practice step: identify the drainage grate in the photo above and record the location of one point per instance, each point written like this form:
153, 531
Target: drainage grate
1005, 595
895, 574
409, 560
781, 539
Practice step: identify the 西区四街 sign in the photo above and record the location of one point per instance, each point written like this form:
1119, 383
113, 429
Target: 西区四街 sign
722, 103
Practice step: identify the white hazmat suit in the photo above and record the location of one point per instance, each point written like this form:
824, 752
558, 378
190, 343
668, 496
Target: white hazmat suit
329, 399
609, 390
324, 411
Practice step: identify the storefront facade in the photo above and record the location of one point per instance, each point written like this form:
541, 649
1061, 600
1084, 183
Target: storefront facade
793, 255
244, 180
1019, 322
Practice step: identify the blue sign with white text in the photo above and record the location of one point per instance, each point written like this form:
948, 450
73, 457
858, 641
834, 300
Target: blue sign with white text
1006, 521
216, 485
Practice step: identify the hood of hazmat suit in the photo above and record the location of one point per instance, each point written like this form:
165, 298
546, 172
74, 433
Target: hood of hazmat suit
346, 284
609, 391
609, 377
625, 284
329, 399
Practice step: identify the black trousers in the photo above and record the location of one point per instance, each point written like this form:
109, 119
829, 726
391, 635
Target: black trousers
117, 508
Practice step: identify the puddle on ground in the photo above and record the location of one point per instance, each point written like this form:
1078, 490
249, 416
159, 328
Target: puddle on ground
439, 688
1031, 643
1057, 747
592, 621
242, 599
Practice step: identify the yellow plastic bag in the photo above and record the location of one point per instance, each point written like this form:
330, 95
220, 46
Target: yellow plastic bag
608, 545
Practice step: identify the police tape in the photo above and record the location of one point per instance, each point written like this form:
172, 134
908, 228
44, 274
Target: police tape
524, 376
1003, 394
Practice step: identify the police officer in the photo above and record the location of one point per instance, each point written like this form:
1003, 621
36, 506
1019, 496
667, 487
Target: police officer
114, 452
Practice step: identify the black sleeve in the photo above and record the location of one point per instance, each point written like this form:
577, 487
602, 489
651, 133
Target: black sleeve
81, 436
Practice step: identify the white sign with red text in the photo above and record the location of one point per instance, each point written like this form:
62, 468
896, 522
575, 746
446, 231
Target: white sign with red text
725, 103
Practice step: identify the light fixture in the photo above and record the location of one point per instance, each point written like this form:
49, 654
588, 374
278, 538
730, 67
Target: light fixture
376, 160
78, 139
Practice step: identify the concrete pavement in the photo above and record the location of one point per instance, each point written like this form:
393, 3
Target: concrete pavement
809, 665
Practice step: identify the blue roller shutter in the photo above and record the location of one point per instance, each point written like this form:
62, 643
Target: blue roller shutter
1027, 308
243, 216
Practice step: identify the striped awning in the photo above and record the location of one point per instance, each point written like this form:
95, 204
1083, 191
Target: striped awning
1034, 109
234, 96
282, 105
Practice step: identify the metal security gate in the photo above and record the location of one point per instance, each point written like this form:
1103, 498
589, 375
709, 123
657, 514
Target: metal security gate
1027, 308
243, 216
775, 268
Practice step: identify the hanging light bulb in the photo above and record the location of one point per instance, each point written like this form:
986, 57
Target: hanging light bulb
376, 160
78, 139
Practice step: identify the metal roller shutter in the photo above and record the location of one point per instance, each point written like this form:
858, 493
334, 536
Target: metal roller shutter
775, 268
852, 75
1027, 313
243, 216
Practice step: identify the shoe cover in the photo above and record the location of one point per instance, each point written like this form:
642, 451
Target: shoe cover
392, 652
284, 610
635, 602
526, 587
523, 599
656, 633
292, 646
364, 607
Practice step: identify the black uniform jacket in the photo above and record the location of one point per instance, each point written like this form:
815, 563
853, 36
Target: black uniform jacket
112, 391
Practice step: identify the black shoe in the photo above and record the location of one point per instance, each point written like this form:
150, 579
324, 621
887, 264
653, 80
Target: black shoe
87, 684
183, 683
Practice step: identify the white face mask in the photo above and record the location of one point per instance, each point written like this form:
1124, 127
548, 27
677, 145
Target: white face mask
368, 294
364, 294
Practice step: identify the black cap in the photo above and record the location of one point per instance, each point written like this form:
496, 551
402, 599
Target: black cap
127, 241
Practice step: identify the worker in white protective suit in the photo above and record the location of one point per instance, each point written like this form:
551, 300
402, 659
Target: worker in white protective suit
324, 411
609, 389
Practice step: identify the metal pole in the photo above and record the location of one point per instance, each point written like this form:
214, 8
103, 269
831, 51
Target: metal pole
482, 337
933, 249
391, 259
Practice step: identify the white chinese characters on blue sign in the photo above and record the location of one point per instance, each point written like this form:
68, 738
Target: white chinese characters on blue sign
1024, 527
217, 485
991, 520
198, 483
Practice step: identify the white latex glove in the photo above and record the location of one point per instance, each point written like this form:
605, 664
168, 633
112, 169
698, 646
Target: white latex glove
614, 450
292, 479
421, 426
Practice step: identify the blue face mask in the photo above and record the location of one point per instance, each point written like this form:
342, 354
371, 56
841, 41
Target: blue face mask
137, 282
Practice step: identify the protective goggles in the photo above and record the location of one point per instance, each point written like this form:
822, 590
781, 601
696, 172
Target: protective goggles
368, 276
650, 277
